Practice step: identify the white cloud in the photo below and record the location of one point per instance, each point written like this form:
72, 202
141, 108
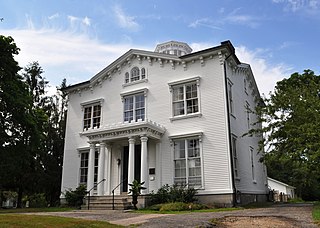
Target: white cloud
204, 22
309, 6
125, 21
266, 75
86, 21
64, 54
54, 16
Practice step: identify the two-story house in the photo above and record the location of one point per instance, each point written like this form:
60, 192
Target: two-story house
167, 117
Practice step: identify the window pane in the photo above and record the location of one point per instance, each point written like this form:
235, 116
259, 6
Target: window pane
139, 101
191, 91
179, 149
128, 116
178, 108
193, 148
126, 80
135, 74
140, 114
192, 106
128, 103
178, 93
143, 73
87, 118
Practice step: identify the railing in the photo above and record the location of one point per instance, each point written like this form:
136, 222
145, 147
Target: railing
88, 192
113, 192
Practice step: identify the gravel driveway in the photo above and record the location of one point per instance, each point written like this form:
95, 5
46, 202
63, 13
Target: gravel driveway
284, 215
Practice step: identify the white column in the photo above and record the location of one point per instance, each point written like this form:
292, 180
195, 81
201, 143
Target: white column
109, 168
101, 176
90, 181
144, 164
106, 169
131, 161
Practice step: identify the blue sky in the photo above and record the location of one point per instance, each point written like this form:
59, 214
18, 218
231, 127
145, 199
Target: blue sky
75, 39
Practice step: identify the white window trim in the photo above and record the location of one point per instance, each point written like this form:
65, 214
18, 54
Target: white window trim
91, 103
252, 165
143, 91
230, 92
233, 136
184, 136
141, 80
183, 82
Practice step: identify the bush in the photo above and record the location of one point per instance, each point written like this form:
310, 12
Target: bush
180, 206
75, 198
37, 200
175, 193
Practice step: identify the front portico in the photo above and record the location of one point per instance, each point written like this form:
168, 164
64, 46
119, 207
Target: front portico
119, 160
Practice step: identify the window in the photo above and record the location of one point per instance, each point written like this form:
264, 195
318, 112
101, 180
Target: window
84, 164
187, 162
252, 163
143, 73
84, 168
134, 107
235, 156
135, 74
126, 78
230, 97
185, 99
245, 85
92, 117
247, 106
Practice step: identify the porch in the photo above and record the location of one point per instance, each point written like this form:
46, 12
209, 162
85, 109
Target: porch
123, 156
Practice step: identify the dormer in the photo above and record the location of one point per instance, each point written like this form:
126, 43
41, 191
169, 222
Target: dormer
173, 48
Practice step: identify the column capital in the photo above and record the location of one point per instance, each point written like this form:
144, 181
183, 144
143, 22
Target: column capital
132, 140
92, 145
144, 138
102, 143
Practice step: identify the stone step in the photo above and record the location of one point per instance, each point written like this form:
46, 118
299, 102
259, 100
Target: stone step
106, 203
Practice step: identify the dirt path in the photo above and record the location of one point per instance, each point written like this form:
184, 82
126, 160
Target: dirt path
286, 215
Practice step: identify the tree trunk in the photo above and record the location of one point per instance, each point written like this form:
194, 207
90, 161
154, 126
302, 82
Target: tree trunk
19, 202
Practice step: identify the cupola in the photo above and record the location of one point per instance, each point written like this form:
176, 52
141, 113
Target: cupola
174, 48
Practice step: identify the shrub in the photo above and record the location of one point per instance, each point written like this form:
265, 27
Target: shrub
37, 200
180, 206
174, 193
75, 198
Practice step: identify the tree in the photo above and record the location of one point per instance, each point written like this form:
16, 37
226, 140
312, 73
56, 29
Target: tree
291, 118
19, 124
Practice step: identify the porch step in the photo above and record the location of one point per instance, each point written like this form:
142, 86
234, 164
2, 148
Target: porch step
106, 203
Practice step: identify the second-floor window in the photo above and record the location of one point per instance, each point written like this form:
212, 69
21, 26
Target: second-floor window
92, 116
134, 107
185, 99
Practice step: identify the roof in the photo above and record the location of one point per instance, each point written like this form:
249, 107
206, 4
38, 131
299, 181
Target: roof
279, 182
226, 47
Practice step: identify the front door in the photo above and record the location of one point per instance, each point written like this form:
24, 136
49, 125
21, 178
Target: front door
125, 165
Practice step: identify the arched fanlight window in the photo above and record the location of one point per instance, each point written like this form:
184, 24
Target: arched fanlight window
135, 74
126, 77
143, 73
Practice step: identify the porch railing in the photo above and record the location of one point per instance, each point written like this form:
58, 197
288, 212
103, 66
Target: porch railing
113, 192
88, 192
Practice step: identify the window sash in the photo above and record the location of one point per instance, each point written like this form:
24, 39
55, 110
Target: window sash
92, 117
134, 107
185, 99
187, 162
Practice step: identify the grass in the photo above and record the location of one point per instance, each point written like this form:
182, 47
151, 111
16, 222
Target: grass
316, 212
39, 221
43, 209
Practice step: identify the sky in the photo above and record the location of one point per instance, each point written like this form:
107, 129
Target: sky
75, 39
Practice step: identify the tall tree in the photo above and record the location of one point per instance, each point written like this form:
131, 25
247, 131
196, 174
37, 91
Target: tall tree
19, 123
291, 118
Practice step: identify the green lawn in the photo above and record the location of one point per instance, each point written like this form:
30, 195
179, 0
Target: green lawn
39, 221
43, 209
316, 212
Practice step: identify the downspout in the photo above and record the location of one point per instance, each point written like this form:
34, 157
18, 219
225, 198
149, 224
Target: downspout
229, 135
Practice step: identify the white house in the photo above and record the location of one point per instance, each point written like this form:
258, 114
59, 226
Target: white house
281, 188
167, 117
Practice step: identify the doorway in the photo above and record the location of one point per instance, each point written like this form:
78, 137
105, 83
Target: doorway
125, 166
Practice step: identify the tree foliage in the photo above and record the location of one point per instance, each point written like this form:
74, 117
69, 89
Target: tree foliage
32, 127
291, 117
